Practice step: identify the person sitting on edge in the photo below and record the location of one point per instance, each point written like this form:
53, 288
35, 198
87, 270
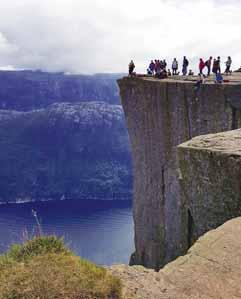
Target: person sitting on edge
149, 72
190, 73
131, 67
152, 67
201, 66
208, 64
169, 73
184, 66
174, 66
228, 66
198, 83
219, 78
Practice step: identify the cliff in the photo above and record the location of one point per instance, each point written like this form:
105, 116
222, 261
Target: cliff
27, 90
211, 269
160, 115
66, 150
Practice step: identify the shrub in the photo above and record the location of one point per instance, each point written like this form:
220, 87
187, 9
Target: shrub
57, 274
37, 246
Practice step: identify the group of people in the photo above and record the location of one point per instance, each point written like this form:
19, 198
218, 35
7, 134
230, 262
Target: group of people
216, 65
158, 68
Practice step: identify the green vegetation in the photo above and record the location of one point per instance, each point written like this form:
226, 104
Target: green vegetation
44, 268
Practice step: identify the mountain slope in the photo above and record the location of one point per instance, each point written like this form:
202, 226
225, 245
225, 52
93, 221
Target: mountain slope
27, 90
66, 150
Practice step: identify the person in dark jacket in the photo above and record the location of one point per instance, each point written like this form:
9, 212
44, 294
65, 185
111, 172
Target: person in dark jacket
201, 66
185, 66
215, 66
152, 67
131, 67
208, 64
219, 65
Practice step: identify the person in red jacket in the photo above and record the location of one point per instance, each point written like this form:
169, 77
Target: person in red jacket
201, 66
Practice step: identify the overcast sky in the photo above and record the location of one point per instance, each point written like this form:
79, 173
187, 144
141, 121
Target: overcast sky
88, 36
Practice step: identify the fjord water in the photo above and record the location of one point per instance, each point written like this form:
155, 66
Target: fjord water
101, 231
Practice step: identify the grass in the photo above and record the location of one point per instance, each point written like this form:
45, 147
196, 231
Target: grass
43, 268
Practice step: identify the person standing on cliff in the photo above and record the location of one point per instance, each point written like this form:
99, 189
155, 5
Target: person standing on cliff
215, 66
208, 64
164, 64
228, 66
152, 67
131, 67
201, 66
185, 66
219, 65
174, 66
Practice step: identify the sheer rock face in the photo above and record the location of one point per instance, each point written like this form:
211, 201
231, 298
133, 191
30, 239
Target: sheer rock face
211, 181
210, 270
160, 115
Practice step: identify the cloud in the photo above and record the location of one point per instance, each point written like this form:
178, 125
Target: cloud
103, 35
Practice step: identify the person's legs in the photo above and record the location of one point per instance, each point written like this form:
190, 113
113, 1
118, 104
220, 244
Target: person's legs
209, 69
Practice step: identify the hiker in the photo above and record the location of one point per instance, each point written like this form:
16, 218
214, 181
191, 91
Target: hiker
174, 66
164, 64
219, 65
157, 67
208, 64
152, 67
228, 66
131, 67
215, 66
184, 66
201, 66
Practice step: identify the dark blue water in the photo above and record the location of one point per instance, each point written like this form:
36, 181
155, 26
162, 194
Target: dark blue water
101, 231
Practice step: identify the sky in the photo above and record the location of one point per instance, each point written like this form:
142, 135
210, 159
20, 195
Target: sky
91, 36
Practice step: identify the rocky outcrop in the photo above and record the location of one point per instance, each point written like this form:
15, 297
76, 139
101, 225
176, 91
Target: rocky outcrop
160, 115
67, 150
210, 168
27, 90
211, 269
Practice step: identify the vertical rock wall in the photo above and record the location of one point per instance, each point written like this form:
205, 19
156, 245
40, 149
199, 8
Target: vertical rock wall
160, 115
211, 182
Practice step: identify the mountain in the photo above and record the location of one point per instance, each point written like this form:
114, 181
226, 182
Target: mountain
27, 90
66, 150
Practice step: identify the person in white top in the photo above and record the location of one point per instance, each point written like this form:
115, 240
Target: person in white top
174, 66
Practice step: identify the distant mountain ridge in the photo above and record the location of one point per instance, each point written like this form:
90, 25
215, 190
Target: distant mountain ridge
67, 150
28, 90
